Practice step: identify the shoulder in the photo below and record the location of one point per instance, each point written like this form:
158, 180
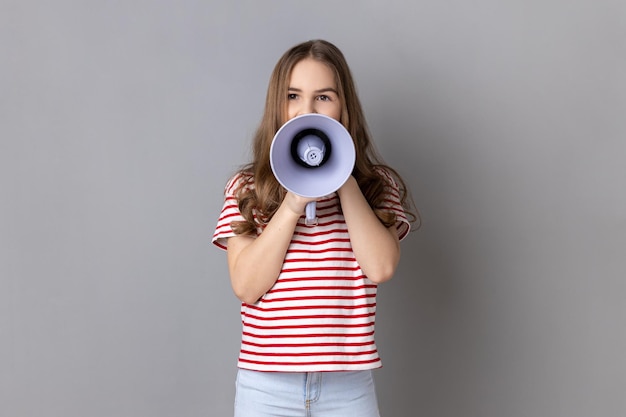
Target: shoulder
241, 181
388, 175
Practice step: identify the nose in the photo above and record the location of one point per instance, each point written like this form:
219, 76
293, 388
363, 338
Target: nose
307, 107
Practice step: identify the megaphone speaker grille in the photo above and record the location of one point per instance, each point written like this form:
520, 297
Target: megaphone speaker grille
311, 148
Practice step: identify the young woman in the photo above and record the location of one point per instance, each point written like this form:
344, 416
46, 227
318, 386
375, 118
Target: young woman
309, 292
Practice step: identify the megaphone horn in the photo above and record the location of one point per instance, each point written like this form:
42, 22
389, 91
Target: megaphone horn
312, 155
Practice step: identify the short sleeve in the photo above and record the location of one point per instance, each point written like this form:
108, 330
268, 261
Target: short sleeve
393, 204
230, 212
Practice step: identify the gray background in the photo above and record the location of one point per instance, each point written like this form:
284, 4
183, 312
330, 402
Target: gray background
120, 122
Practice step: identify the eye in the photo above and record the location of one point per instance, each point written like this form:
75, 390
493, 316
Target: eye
292, 96
323, 98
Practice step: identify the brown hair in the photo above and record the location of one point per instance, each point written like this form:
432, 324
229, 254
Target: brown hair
259, 203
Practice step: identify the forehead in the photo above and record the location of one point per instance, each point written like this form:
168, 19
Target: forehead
312, 73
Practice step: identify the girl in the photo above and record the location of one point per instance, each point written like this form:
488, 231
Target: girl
309, 292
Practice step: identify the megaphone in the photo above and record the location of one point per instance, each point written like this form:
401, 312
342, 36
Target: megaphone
312, 155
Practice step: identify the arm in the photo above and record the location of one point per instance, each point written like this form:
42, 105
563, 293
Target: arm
375, 246
255, 263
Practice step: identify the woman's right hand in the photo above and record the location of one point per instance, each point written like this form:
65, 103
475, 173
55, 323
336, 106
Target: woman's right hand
296, 203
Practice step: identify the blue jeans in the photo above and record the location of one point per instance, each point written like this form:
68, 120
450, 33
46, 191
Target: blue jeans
311, 394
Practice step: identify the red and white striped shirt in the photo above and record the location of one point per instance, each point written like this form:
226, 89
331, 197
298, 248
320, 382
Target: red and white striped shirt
320, 313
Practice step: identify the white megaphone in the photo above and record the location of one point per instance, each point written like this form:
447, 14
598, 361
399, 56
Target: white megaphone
312, 155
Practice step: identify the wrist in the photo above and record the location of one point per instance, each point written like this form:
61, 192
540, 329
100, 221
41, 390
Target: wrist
350, 184
293, 206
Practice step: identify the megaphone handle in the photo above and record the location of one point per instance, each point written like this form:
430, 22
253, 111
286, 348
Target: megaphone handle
311, 217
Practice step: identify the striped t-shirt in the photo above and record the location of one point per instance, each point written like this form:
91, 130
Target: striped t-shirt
320, 313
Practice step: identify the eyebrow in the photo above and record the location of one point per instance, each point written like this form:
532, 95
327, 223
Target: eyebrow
322, 90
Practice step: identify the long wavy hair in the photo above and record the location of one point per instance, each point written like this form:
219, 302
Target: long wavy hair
258, 203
